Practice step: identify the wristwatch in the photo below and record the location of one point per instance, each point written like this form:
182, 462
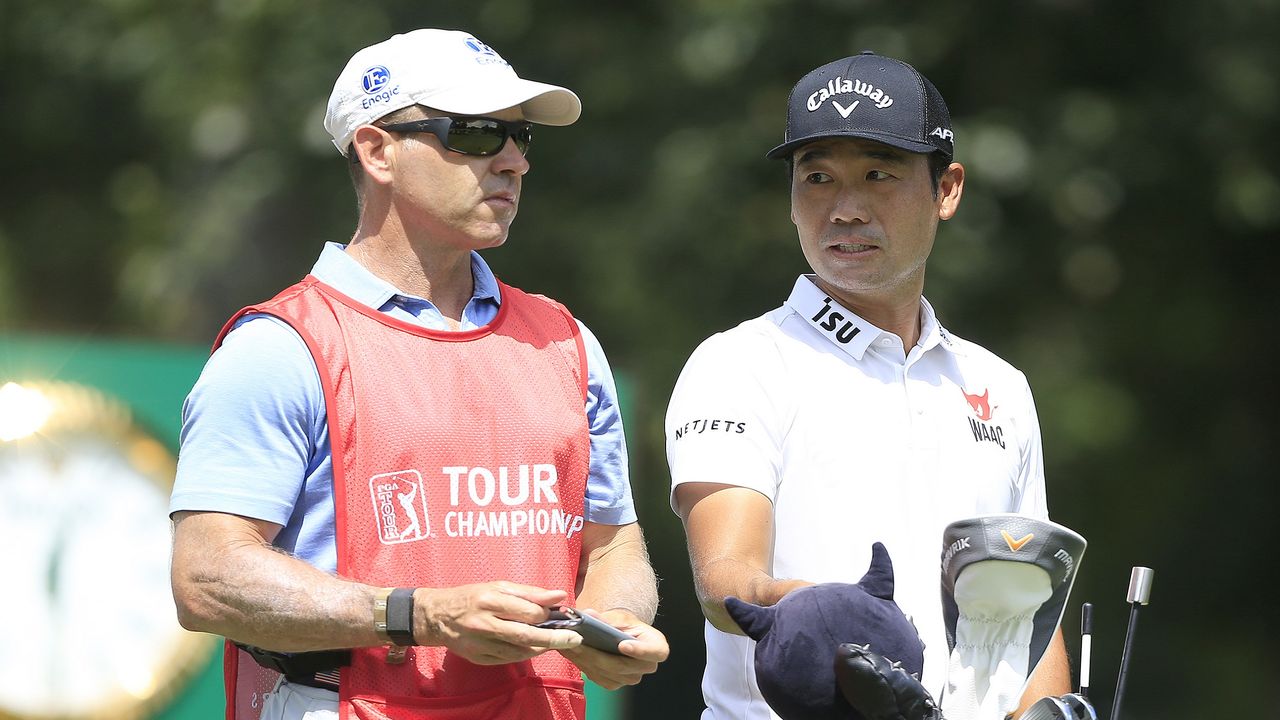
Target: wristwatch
87, 615
393, 616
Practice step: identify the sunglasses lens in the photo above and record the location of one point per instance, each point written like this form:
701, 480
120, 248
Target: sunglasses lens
476, 137
486, 137
523, 137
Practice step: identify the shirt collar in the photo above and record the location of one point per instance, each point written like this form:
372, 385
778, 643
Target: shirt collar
849, 332
337, 269
932, 334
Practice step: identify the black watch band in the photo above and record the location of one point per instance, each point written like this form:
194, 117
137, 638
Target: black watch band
400, 616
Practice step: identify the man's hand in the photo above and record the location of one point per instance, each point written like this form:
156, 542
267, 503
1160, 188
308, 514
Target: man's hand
490, 623
639, 657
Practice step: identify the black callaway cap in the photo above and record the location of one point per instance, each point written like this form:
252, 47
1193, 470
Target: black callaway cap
868, 96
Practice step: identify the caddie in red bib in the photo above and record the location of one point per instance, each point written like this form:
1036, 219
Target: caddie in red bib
402, 490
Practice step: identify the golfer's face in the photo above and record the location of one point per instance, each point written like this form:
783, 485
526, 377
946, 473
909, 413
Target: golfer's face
866, 215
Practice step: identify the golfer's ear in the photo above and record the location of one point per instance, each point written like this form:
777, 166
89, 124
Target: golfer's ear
950, 188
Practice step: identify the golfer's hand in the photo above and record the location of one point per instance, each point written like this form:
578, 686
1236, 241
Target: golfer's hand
490, 623
639, 657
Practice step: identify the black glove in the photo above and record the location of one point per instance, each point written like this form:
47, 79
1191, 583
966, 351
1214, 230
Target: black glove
879, 689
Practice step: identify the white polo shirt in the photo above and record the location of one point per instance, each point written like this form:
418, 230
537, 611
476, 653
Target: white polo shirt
854, 441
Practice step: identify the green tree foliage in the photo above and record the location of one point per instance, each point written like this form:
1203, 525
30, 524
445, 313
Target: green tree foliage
167, 165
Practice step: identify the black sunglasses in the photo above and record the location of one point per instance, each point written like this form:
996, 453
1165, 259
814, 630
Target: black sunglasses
471, 135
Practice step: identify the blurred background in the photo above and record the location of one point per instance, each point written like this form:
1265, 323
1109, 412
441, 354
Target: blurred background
167, 165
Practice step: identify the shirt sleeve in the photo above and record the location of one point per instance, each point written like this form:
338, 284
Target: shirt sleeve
608, 500
246, 445
725, 422
1032, 498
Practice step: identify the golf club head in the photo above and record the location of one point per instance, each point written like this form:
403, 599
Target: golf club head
1068, 707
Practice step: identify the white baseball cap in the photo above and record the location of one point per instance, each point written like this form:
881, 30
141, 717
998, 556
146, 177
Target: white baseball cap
447, 70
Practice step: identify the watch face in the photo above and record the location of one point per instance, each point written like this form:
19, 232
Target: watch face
86, 613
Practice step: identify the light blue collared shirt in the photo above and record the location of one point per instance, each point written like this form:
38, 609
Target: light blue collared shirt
255, 436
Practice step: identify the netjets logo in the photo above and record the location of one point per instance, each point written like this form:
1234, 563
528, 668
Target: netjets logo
1016, 545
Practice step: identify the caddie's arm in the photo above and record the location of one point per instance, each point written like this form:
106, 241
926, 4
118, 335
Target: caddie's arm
1052, 677
617, 584
228, 580
730, 534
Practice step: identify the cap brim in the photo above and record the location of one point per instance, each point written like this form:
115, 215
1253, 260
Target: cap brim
541, 103
785, 149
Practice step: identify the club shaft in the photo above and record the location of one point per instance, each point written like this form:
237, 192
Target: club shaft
1124, 661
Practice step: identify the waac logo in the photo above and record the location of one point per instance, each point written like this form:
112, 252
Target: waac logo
980, 403
982, 410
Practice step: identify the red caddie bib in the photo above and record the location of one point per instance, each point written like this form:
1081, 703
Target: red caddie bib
458, 458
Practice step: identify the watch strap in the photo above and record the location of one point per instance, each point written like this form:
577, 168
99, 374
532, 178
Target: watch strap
380, 596
400, 616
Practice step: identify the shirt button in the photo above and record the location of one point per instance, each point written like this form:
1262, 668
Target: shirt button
886, 342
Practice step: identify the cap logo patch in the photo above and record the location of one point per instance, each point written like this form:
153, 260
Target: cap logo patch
844, 111
375, 78
485, 55
840, 86
944, 133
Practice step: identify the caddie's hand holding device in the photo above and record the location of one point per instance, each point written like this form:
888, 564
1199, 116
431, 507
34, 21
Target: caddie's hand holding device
595, 633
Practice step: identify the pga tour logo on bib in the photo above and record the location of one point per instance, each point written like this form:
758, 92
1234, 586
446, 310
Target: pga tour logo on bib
397, 499
478, 501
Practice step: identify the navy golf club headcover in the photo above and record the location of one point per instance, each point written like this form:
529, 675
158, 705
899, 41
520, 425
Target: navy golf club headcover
797, 639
